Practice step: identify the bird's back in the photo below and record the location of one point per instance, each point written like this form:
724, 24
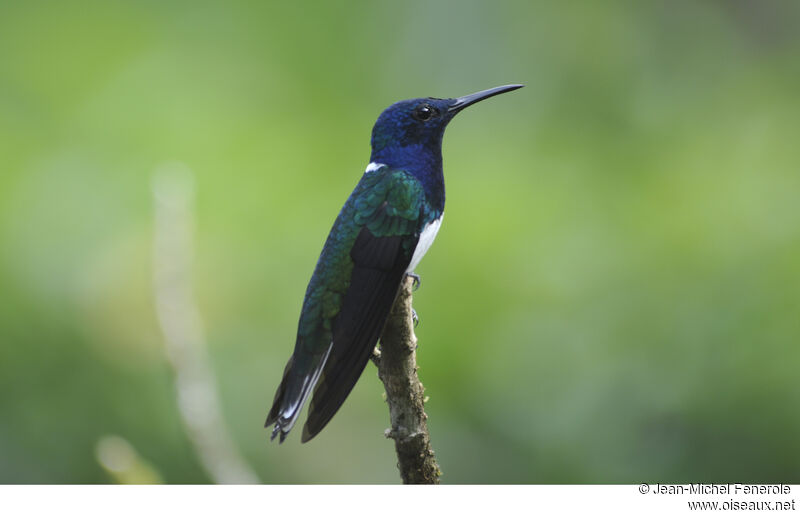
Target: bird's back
350, 294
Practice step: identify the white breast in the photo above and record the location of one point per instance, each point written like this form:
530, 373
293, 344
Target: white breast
426, 238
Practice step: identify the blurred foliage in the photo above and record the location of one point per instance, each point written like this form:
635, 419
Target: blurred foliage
614, 296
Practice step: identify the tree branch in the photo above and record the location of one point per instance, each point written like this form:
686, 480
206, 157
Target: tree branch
397, 369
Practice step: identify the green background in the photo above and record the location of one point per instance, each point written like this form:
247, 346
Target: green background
614, 295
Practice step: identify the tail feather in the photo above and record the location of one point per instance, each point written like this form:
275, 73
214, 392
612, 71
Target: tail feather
299, 378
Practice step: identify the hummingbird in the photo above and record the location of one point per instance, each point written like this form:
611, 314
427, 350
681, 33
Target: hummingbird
384, 229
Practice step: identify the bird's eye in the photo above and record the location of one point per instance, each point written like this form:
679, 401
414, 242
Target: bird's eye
425, 112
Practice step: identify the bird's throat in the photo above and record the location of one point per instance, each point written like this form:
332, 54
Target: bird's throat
421, 161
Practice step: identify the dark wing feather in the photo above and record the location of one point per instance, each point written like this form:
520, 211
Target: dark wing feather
379, 264
349, 296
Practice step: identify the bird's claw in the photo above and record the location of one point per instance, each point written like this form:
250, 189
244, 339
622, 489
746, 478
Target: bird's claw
417, 280
414, 317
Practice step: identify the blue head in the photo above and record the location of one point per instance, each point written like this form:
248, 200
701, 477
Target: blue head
408, 134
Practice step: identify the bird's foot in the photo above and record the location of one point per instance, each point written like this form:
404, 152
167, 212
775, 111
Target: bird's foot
417, 280
414, 317
376, 356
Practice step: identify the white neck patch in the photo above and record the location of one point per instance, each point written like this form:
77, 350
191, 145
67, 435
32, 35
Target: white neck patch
372, 167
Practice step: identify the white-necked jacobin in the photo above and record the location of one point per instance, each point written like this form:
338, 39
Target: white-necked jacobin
387, 224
